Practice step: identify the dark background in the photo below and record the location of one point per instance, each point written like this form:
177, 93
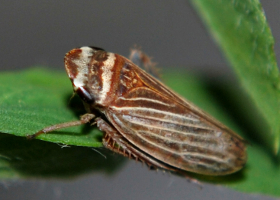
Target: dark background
41, 32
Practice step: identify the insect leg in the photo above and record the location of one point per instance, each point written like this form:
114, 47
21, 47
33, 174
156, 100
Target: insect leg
114, 141
142, 60
83, 120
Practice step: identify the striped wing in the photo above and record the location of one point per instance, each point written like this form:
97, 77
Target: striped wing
161, 124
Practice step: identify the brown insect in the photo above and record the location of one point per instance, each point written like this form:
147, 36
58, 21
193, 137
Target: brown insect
143, 119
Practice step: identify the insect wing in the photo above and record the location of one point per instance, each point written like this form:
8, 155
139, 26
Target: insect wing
163, 125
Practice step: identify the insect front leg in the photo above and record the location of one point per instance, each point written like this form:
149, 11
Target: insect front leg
86, 118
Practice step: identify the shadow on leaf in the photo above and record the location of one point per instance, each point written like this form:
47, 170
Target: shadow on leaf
37, 158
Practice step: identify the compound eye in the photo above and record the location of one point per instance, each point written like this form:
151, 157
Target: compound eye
97, 48
84, 95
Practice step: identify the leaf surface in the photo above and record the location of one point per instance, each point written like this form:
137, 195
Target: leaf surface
242, 32
36, 98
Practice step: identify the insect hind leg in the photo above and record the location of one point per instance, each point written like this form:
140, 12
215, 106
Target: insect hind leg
114, 141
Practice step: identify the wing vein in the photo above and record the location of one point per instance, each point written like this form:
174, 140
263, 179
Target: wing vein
146, 99
198, 155
154, 111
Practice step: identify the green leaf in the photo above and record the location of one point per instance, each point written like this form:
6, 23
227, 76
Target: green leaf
32, 100
36, 98
241, 30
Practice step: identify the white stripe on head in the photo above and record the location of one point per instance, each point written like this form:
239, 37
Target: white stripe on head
107, 76
82, 63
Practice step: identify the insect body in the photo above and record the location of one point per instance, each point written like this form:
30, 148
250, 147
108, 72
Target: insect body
143, 119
